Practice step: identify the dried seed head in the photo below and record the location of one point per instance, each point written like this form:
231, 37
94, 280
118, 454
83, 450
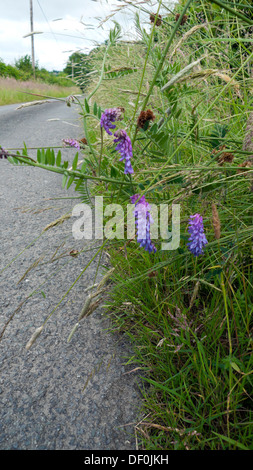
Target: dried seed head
72, 332
74, 253
83, 141
85, 307
183, 20
70, 99
105, 279
34, 337
158, 20
216, 222
144, 117
248, 139
224, 157
246, 164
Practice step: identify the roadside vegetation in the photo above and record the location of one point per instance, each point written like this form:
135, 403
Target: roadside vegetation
188, 314
18, 80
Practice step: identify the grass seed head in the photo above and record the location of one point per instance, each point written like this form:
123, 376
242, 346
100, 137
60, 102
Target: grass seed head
34, 337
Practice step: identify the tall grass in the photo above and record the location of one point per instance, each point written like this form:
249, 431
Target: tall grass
190, 319
15, 91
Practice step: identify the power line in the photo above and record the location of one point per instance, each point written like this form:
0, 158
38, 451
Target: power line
47, 21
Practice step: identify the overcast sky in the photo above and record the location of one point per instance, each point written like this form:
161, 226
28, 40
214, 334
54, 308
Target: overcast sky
67, 26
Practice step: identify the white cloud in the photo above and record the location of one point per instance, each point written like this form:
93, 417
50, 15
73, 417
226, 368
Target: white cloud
77, 28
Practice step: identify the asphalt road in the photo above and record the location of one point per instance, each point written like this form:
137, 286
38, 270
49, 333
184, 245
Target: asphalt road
77, 395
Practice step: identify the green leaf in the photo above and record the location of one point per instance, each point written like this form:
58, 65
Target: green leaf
58, 158
95, 108
231, 441
78, 183
87, 108
48, 159
12, 160
236, 367
24, 151
75, 161
70, 181
113, 172
38, 155
64, 179
43, 157
52, 157
83, 167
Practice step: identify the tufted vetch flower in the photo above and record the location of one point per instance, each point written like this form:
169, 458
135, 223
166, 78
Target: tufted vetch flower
72, 143
197, 239
124, 147
109, 116
3, 153
143, 220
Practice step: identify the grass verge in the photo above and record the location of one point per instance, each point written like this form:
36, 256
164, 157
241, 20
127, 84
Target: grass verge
14, 91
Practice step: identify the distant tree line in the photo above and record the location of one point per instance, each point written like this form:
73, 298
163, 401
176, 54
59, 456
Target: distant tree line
23, 70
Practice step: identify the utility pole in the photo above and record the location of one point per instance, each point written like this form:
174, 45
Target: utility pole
32, 36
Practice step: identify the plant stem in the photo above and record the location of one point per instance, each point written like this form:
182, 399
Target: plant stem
144, 70
232, 10
226, 311
63, 171
159, 67
101, 74
101, 150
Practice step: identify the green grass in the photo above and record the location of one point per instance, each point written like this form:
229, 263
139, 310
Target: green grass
189, 320
14, 91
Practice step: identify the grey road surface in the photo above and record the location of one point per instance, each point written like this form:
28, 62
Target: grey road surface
77, 395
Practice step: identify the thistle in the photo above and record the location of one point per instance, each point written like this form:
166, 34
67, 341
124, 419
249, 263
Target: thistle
143, 221
109, 116
197, 240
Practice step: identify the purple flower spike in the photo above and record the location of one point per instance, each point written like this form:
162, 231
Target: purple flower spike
72, 143
124, 147
197, 240
109, 116
143, 221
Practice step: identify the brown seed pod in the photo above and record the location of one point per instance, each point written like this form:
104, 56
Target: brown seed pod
183, 20
158, 20
216, 221
144, 117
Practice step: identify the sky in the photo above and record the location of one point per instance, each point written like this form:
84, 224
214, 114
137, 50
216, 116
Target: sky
65, 26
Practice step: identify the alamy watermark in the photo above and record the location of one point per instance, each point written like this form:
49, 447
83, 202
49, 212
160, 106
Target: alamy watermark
115, 222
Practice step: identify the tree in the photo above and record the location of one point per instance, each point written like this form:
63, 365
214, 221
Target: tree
24, 64
76, 64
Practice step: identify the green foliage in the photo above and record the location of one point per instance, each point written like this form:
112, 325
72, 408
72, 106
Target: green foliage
25, 64
23, 71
